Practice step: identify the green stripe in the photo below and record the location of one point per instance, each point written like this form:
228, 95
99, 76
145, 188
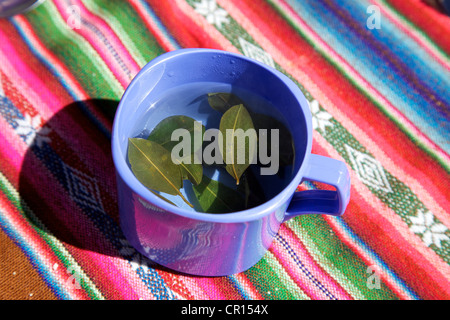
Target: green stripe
392, 117
129, 27
272, 282
339, 136
56, 246
336, 258
76, 54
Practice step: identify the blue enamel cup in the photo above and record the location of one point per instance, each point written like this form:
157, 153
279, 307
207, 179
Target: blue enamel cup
218, 244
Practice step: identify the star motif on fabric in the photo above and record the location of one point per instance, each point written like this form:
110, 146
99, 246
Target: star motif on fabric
431, 232
31, 130
320, 119
211, 11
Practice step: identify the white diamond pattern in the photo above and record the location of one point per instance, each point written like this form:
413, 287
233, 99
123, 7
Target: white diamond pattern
252, 51
369, 170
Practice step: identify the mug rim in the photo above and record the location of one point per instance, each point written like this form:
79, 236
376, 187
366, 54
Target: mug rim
255, 213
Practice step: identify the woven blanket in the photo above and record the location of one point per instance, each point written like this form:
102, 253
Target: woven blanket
376, 74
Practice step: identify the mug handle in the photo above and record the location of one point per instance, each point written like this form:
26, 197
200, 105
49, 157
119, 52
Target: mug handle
329, 171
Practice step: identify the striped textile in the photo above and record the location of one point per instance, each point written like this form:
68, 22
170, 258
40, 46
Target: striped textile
376, 73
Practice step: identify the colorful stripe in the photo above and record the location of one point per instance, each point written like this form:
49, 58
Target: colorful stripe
383, 91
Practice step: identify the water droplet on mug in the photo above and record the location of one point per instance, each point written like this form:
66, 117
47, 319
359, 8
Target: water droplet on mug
171, 74
232, 62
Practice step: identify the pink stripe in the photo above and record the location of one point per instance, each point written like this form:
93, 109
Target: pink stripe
394, 226
125, 287
411, 34
289, 266
97, 45
61, 202
336, 111
249, 288
211, 290
315, 269
152, 26
111, 36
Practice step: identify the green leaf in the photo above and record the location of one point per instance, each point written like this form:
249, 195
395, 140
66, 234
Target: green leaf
238, 151
153, 167
222, 101
215, 197
286, 143
162, 134
191, 171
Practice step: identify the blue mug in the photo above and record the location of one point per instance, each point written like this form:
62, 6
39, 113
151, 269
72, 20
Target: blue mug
218, 244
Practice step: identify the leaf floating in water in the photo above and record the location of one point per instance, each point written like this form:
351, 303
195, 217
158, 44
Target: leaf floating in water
222, 101
191, 171
162, 134
215, 197
153, 167
240, 140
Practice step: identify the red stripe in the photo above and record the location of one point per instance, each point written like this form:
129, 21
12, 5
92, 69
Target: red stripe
431, 21
346, 97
